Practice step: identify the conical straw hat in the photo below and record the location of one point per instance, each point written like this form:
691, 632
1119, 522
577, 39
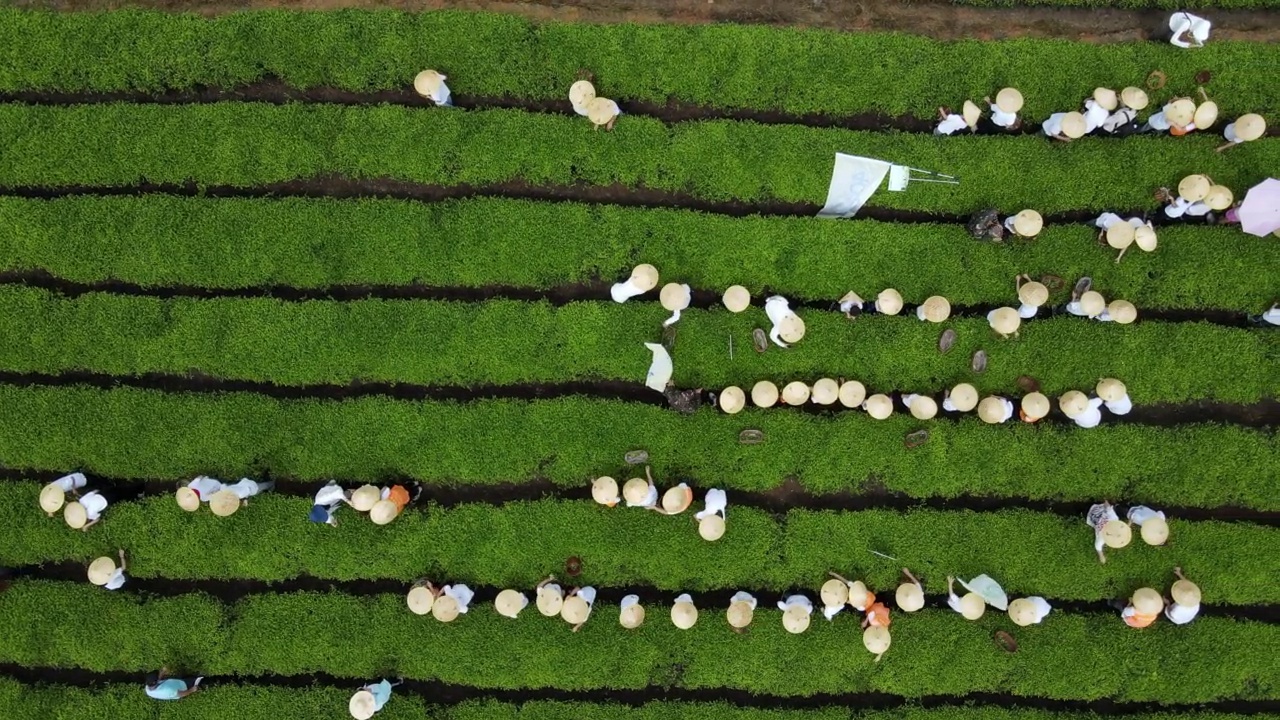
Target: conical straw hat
427, 82
509, 603
684, 615
75, 515
739, 614
574, 610
795, 393
100, 570
1250, 127
795, 619
711, 528
876, 639
737, 298
1116, 534
732, 399
635, 490
1073, 403
188, 499
825, 392
879, 406
889, 301
791, 329
383, 512
674, 296
1035, 405
857, 592
581, 93
964, 396
764, 394
52, 498
644, 276
1033, 293
852, 393
364, 497
972, 606
1122, 312
1147, 601
834, 592
1092, 303
1022, 612
1120, 235
1028, 223
1106, 97
1009, 100
362, 705
991, 410
1005, 320
1206, 115
604, 490
224, 503
631, 616
549, 602
1135, 98
1073, 125
1180, 112
937, 309
1155, 531
909, 596
1186, 593
1219, 197
677, 500
971, 113
1194, 188
420, 600
445, 609
924, 408
601, 110
1111, 389
1145, 238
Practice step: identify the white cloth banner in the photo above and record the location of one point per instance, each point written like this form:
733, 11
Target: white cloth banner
853, 181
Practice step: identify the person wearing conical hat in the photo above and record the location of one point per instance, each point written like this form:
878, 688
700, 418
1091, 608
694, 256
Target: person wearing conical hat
764, 394
1269, 318
104, 572
54, 495
199, 490
935, 309
985, 224
910, 594
452, 601
1108, 530
971, 606
641, 492
1064, 127
675, 298
1177, 117
864, 601
1025, 224
247, 488
788, 328
853, 393
327, 501
736, 299
581, 93
1187, 30
422, 597
851, 305
878, 406
1179, 207
1098, 108
796, 611
876, 640
732, 400
1152, 525
1004, 111
510, 602
1143, 608
1005, 321
631, 613
383, 512
604, 490
961, 398
826, 391
1034, 407
603, 112
1115, 396
835, 595
1186, 600
159, 686
675, 500
430, 84
1246, 128
1088, 304
951, 123
684, 614
1029, 611
371, 698
742, 607
1081, 408
995, 409
712, 518
795, 393
644, 277
86, 511
921, 407
577, 606
398, 495
888, 302
549, 597
1124, 121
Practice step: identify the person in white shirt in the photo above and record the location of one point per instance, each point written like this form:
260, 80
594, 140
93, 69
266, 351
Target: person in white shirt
1270, 317
86, 512
1004, 111
741, 607
1029, 611
835, 596
247, 488
54, 495
796, 611
327, 501
461, 595
1151, 523
1091, 416
572, 610
1187, 30
971, 606
1095, 114
712, 518
549, 597
1246, 128
995, 410
787, 326
644, 277
430, 84
961, 398
950, 122
1064, 127
603, 113
627, 617
1186, 600
1115, 396
638, 492
1108, 531
105, 573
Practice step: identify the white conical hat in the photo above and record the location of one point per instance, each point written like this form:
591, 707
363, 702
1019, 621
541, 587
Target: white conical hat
1073, 125
1122, 312
1005, 320
509, 603
427, 82
53, 497
383, 512
732, 399
972, 606
711, 528
224, 503
991, 409
364, 497
1250, 127
1116, 534
889, 301
644, 276
549, 601
101, 570
420, 599
795, 393
971, 114
1219, 197
1073, 403
1120, 235
575, 610
188, 499
876, 639
1186, 593
737, 298
909, 596
1155, 531
739, 614
362, 705
1206, 115
445, 609
852, 393
1035, 405
581, 93
601, 110
1009, 100
1092, 303
1111, 389
1180, 112
1135, 98
75, 515
675, 296
834, 592
1145, 238
1106, 97
1022, 612
1028, 223
825, 391
936, 309
677, 499
1147, 601
635, 490
632, 616
604, 490
964, 396
764, 394
1194, 188
879, 406
791, 329
684, 615
795, 619
923, 407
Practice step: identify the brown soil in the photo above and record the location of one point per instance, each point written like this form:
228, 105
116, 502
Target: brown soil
933, 18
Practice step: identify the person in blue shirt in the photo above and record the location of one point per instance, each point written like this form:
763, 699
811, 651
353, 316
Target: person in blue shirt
370, 699
162, 687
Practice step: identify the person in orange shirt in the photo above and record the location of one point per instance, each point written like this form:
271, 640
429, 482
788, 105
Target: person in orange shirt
1143, 608
864, 601
877, 615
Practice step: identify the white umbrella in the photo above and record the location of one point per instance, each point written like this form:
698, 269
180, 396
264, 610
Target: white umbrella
990, 591
660, 369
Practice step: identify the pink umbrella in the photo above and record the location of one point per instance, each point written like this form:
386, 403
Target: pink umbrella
1260, 211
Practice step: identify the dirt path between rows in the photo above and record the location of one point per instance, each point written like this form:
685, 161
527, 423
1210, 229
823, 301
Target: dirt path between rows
932, 18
